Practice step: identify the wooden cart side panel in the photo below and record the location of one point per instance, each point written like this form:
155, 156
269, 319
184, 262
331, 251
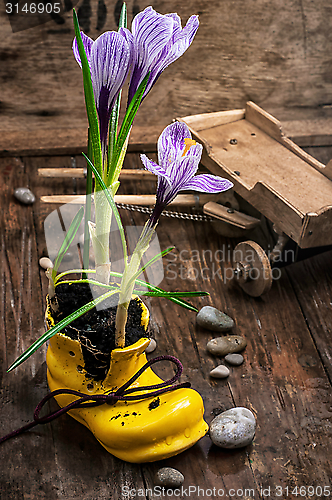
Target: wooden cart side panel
210, 120
269, 202
212, 163
262, 197
272, 127
317, 229
264, 121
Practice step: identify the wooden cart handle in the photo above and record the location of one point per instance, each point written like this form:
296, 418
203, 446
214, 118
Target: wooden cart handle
80, 173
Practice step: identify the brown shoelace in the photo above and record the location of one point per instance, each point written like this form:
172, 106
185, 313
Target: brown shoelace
123, 393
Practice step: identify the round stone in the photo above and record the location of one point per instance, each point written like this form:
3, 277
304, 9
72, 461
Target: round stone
234, 359
24, 195
45, 263
233, 428
225, 345
152, 346
168, 477
213, 319
220, 371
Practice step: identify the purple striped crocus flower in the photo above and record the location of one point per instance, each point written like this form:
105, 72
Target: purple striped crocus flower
157, 40
179, 157
109, 58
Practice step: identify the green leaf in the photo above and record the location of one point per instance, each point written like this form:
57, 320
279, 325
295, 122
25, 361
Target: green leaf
89, 98
111, 201
91, 282
114, 119
74, 271
70, 235
177, 301
57, 328
149, 263
125, 129
88, 194
123, 16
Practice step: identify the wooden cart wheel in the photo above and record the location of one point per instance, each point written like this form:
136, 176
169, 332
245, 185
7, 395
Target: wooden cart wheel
252, 268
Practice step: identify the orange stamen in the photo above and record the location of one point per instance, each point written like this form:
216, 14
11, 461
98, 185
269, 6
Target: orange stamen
188, 143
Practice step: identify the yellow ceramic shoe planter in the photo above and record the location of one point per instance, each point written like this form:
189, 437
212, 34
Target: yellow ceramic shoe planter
135, 431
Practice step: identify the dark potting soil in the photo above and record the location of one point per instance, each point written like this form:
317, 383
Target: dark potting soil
95, 330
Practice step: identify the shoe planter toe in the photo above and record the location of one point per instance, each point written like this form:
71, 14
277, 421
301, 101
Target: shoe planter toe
135, 431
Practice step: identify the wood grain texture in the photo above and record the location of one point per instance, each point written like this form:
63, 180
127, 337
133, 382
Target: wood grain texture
275, 54
285, 379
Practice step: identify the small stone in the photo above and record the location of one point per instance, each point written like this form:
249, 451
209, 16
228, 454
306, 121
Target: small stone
234, 359
24, 195
233, 428
152, 346
225, 345
213, 319
45, 263
220, 371
168, 477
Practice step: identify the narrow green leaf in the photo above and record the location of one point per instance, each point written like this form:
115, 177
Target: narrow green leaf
89, 98
149, 263
111, 201
74, 271
70, 235
87, 217
126, 126
57, 328
91, 282
172, 294
113, 128
114, 119
179, 302
123, 16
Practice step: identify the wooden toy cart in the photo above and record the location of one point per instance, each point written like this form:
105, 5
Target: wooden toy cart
275, 176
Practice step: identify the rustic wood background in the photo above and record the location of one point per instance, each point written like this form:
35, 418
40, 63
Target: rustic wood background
285, 379
277, 54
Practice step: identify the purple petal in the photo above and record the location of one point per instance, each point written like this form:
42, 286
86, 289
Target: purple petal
171, 143
155, 168
110, 58
152, 32
208, 183
182, 39
87, 43
130, 41
110, 61
186, 166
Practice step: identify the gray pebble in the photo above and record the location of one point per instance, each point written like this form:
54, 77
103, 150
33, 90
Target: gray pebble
152, 346
233, 428
45, 263
169, 477
225, 345
24, 195
220, 371
213, 319
234, 359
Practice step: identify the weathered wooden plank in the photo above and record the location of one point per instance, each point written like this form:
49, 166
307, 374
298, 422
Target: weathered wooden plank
314, 274
21, 322
283, 379
274, 54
